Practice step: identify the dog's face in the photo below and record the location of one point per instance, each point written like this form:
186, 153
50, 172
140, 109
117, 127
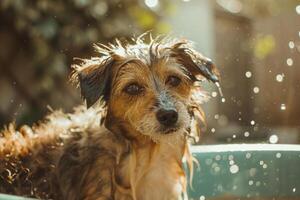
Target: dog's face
152, 99
149, 90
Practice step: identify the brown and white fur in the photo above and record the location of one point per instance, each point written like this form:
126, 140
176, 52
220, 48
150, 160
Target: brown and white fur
126, 146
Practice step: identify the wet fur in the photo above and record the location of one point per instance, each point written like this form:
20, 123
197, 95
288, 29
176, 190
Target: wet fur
115, 150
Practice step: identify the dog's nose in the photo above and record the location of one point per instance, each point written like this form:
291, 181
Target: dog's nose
167, 117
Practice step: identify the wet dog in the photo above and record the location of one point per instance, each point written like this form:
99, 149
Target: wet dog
145, 103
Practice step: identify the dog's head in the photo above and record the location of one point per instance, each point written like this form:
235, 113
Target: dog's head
150, 89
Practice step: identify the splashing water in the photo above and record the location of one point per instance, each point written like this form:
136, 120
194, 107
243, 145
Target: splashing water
220, 92
291, 44
248, 74
151, 3
234, 169
273, 139
257, 183
248, 155
282, 106
261, 162
256, 89
250, 182
278, 155
265, 166
246, 134
298, 9
289, 61
279, 77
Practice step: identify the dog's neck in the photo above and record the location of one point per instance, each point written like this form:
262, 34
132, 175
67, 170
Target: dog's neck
153, 170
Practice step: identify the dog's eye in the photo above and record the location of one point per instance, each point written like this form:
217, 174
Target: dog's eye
133, 89
173, 81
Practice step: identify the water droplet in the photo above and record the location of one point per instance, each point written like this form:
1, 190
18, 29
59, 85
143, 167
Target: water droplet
291, 44
246, 134
252, 172
279, 77
213, 130
278, 155
256, 89
220, 188
282, 106
248, 155
265, 166
298, 9
151, 3
217, 169
273, 139
252, 122
214, 94
289, 62
257, 183
202, 197
231, 162
234, 169
223, 120
261, 162
220, 91
208, 161
256, 110
250, 182
248, 74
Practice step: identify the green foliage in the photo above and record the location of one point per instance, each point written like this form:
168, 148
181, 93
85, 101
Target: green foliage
40, 38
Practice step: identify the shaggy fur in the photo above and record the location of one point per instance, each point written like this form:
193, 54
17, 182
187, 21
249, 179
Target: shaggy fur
117, 149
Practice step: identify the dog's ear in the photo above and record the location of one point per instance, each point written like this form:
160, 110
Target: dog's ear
195, 63
94, 79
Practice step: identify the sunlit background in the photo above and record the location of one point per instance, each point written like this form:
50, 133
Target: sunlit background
255, 44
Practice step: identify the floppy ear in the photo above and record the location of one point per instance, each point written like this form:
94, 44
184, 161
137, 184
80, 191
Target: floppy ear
94, 79
195, 63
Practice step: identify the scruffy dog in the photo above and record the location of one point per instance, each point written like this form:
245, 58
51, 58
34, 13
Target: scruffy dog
130, 145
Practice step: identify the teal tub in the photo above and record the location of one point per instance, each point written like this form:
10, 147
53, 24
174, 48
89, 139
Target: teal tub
246, 171
242, 171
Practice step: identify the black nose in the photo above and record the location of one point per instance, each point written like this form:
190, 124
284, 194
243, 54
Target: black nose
167, 117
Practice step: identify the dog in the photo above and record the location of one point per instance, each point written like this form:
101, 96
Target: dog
143, 101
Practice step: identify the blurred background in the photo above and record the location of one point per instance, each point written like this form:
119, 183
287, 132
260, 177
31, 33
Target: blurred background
255, 44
